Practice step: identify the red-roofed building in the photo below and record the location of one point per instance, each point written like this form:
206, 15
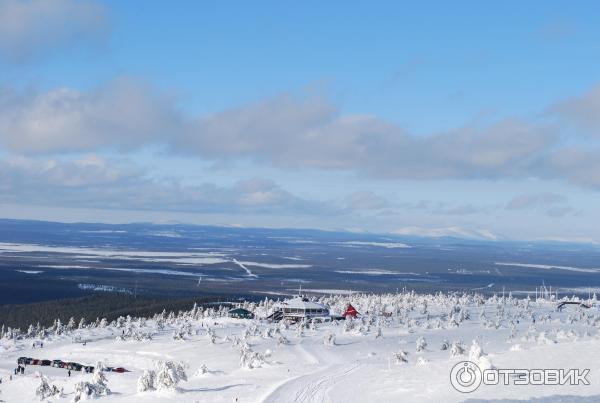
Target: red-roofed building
350, 311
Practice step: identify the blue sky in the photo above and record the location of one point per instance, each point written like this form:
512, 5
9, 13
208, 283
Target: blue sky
460, 118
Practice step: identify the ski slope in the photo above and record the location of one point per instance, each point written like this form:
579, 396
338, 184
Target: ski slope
294, 366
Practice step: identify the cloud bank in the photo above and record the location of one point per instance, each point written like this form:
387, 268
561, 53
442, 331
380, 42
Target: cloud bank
30, 28
296, 132
97, 182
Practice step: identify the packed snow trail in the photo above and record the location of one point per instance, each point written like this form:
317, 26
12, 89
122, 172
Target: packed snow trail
243, 266
311, 388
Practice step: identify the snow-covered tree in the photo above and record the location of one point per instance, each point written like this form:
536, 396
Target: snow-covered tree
168, 375
71, 324
329, 339
250, 359
401, 357
100, 381
477, 356
84, 391
421, 344
145, 382
203, 370
457, 349
45, 390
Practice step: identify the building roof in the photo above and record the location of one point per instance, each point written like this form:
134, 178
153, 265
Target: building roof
350, 311
300, 303
239, 310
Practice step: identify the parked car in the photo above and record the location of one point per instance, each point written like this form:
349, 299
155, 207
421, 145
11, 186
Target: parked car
57, 363
45, 363
75, 366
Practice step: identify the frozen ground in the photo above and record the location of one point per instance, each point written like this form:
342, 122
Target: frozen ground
298, 366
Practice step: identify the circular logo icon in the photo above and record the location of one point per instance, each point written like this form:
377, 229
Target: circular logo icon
465, 376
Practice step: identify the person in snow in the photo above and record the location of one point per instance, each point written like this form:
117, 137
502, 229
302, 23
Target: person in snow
69, 372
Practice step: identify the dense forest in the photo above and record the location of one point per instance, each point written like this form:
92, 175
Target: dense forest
109, 306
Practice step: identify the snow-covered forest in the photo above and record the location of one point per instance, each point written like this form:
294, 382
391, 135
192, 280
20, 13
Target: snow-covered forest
401, 347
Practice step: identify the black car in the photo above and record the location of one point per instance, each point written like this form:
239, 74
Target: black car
74, 366
46, 363
23, 360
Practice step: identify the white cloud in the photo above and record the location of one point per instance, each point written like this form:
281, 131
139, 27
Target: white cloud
288, 132
124, 114
460, 232
29, 28
583, 110
533, 200
365, 200
96, 182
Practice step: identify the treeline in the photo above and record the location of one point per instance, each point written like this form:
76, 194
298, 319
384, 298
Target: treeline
109, 306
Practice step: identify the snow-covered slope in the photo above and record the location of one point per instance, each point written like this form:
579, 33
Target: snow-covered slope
361, 360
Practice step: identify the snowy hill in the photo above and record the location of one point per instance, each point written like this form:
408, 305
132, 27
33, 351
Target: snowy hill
402, 348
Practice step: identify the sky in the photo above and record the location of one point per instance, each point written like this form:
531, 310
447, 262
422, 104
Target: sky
463, 118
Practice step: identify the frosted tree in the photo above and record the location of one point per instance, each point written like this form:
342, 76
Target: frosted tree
100, 382
421, 344
477, 356
145, 382
44, 390
329, 339
401, 357
203, 370
168, 375
58, 327
84, 391
71, 324
348, 324
457, 349
250, 359
300, 330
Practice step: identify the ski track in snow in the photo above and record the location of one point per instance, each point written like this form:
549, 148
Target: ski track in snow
315, 387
